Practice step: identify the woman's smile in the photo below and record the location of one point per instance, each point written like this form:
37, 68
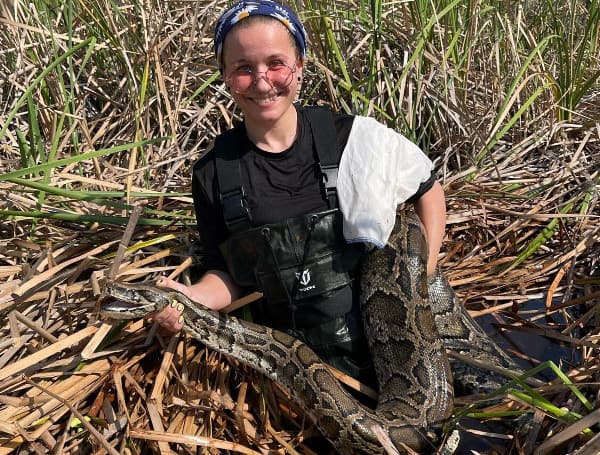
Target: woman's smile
265, 101
263, 70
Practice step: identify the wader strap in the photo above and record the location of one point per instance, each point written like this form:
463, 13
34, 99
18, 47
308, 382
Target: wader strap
231, 192
328, 157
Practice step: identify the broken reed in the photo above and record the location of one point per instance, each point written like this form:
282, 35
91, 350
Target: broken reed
105, 105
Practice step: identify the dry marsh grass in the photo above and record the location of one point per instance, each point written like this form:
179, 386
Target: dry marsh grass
106, 105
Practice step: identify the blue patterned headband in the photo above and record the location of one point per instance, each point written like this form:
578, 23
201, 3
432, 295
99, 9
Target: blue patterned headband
243, 9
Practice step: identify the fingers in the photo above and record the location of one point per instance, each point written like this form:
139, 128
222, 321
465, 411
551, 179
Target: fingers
171, 317
167, 282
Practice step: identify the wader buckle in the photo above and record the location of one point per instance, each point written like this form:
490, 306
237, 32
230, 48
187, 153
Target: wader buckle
329, 175
235, 207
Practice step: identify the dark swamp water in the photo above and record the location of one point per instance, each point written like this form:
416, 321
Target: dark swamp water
529, 350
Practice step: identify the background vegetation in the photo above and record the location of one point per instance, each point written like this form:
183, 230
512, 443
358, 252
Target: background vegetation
105, 105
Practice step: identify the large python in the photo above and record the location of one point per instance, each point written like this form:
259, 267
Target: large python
409, 323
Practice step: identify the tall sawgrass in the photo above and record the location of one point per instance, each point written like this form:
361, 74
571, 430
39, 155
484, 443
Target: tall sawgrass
105, 105
575, 48
447, 71
473, 82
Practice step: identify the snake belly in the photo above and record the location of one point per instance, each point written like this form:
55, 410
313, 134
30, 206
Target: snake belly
408, 350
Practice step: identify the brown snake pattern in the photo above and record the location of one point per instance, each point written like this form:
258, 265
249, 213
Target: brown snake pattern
407, 341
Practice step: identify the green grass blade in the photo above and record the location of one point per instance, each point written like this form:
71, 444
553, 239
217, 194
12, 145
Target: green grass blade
142, 245
76, 159
79, 218
54, 64
510, 123
87, 196
207, 83
546, 234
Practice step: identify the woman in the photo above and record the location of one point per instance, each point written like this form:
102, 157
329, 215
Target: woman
267, 194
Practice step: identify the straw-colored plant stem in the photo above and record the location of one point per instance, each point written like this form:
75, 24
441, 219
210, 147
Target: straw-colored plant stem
104, 107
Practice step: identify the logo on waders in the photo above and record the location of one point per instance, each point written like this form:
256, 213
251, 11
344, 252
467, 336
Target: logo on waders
304, 278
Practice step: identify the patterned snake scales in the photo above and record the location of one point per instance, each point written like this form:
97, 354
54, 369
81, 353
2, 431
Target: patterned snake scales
409, 323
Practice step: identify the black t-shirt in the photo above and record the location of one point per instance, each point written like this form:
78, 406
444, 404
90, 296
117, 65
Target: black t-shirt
277, 185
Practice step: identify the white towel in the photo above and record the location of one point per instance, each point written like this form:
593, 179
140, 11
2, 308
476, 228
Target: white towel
379, 170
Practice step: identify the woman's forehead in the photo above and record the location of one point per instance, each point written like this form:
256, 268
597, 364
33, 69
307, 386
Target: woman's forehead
259, 39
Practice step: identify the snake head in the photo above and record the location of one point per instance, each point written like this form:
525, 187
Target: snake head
133, 300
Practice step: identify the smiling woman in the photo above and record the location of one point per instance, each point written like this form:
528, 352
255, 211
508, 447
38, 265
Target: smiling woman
81, 77
259, 62
289, 201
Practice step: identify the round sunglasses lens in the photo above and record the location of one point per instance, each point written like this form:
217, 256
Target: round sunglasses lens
241, 81
280, 76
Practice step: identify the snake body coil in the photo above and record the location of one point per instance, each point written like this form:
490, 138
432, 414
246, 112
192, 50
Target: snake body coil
407, 341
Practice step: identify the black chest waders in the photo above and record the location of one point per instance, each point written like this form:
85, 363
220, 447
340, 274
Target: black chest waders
302, 265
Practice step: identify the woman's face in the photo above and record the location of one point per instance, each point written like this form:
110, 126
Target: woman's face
257, 47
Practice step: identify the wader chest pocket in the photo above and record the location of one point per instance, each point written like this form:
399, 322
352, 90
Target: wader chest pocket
303, 281
295, 259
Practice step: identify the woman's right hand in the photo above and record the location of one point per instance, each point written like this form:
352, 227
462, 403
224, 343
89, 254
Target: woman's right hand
171, 318
215, 290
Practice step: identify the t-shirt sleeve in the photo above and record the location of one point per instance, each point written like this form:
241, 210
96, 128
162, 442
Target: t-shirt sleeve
343, 126
424, 187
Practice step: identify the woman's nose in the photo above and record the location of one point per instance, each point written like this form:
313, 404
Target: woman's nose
261, 82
